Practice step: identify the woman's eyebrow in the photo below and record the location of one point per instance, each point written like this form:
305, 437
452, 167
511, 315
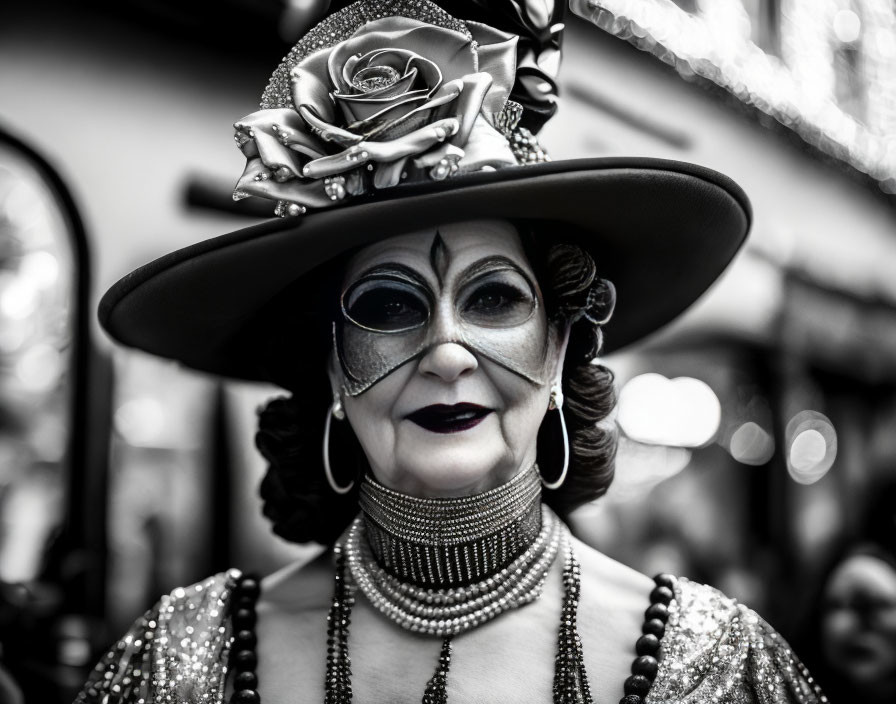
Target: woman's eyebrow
495, 262
393, 269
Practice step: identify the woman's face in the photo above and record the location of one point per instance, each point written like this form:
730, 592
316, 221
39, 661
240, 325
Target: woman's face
859, 620
444, 358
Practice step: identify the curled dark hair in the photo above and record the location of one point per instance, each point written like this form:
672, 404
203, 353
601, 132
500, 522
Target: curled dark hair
302, 507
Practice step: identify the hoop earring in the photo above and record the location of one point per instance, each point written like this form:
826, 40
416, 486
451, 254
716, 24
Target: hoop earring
556, 404
336, 411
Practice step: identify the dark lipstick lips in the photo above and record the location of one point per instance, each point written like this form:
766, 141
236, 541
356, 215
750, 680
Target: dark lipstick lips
440, 418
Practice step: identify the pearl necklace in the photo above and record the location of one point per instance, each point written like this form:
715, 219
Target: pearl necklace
442, 612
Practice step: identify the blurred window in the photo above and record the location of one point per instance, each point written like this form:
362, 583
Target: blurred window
37, 309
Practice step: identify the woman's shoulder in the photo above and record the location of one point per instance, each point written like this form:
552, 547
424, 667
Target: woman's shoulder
715, 649
613, 597
305, 585
611, 575
178, 649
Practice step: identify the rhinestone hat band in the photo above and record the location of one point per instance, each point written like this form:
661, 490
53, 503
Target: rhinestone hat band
454, 541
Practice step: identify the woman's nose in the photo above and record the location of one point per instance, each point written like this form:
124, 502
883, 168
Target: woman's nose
448, 361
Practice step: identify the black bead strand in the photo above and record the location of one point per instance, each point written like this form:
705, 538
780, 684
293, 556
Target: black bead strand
646, 665
243, 658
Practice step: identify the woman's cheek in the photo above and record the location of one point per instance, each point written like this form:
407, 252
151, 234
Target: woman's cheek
521, 419
376, 436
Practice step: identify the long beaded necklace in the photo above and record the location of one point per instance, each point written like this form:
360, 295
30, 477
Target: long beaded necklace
243, 659
570, 679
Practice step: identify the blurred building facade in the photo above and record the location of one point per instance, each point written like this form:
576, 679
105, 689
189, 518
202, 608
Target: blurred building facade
750, 428
797, 342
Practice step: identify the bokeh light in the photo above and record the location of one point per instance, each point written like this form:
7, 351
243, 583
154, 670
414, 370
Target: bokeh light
40, 268
39, 367
18, 296
811, 446
140, 421
751, 444
640, 467
682, 412
847, 26
22, 206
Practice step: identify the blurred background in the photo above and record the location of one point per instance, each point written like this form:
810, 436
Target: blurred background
757, 432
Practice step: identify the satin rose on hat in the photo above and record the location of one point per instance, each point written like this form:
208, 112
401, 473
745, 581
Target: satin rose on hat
400, 99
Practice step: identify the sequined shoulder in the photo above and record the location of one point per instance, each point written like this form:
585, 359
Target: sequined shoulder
717, 650
177, 651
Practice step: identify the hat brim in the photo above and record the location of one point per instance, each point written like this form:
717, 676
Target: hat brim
661, 231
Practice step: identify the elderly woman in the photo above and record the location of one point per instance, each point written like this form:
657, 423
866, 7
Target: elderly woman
435, 309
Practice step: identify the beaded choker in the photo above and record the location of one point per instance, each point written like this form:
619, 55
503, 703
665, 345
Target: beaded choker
453, 610
451, 542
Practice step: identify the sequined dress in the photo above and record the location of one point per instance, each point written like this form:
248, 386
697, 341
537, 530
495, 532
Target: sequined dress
714, 650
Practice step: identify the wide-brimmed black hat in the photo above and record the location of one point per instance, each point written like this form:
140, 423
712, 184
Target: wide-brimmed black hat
362, 161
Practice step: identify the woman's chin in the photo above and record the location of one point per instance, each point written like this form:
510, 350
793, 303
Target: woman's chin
451, 464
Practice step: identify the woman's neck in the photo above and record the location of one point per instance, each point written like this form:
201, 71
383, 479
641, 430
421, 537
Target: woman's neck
450, 542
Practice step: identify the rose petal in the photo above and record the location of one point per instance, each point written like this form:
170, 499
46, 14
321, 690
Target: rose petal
299, 140
393, 129
389, 175
306, 88
364, 110
397, 89
392, 56
263, 121
249, 148
355, 182
263, 130
486, 148
348, 70
475, 86
307, 193
429, 71
549, 61
399, 127
497, 55
406, 62
451, 51
414, 143
358, 62
327, 131
539, 11
434, 156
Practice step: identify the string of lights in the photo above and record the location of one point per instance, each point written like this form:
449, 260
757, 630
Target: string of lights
834, 84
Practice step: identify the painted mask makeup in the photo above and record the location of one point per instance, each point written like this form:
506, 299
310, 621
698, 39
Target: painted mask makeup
391, 315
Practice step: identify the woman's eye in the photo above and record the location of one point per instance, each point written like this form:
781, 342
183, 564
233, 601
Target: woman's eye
498, 304
386, 307
492, 298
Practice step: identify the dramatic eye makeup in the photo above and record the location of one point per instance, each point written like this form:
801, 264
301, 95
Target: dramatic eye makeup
389, 310
495, 293
387, 300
